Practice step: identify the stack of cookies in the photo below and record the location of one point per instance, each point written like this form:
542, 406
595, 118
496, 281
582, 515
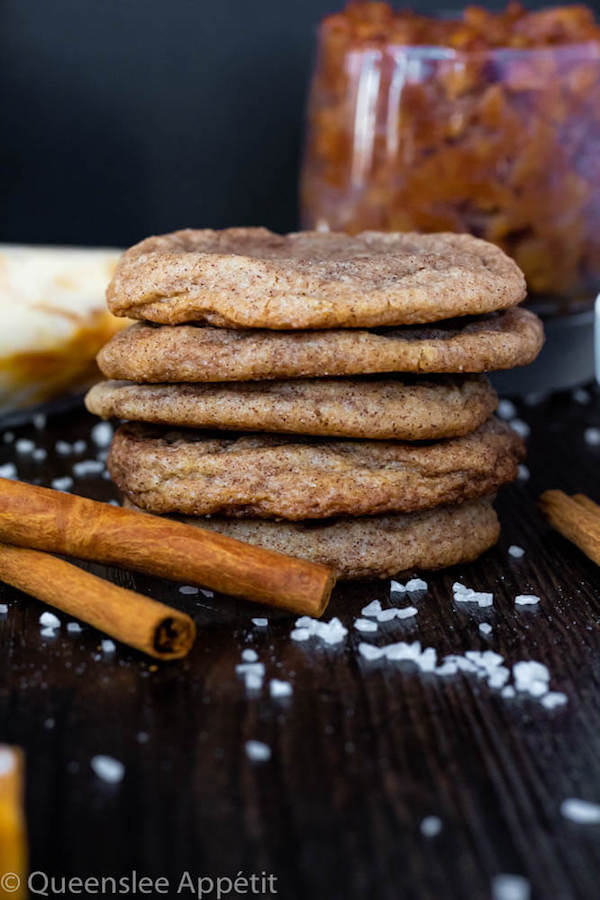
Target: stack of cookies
317, 393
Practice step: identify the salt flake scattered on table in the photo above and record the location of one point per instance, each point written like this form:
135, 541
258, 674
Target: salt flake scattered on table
365, 625
521, 427
370, 651
63, 448
592, 436
371, 609
526, 600
87, 467
396, 587
580, 395
24, 446
39, 454
531, 677
331, 632
279, 688
416, 584
260, 622
249, 655
257, 751
62, 484
108, 646
79, 446
48, 632
464, 594
510, 887
74, 627
108, 769
485, 628
188, 589
300, 634
3, 609
522, 473
581, 811
553, 699
8, 470
101, 434
430, 826
506, 409
515, 551
49, 620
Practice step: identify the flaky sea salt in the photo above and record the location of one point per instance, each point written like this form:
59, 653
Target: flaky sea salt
553, 699
79, 446
3, 609
506, 409
464, 594
508, 692
188, 589
63, 448
300, 634
260, 622
62, 484
74, 627
515, 551
581, 811
592, 436
254, 668
416, 584
49, 620
370, 651
521, 427
279, 688
526, 600
249, 655
406, 612
108, 646
8, 470
372, 609
580, 395
365, 625
430, 826
108, 769
39, 454
253, 682
24, 446
510, 887
531, 677
522, 473
485, 628
48, 632
331, 632
257, 751
396, 587
87, 467
101, 434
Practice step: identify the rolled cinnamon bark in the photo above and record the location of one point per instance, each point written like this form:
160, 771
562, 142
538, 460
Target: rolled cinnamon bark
44, 519
138, 621
13, 831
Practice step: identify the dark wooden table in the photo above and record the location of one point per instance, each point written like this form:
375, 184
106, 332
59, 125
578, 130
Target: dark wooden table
361, 752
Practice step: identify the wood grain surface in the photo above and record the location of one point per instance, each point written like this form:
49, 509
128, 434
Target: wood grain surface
361, 752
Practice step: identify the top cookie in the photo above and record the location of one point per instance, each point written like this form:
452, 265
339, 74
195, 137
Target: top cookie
253, 278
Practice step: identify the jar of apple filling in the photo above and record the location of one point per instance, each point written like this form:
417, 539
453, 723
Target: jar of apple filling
488, 124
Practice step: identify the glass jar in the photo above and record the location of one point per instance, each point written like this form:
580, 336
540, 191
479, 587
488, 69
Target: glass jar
503, 143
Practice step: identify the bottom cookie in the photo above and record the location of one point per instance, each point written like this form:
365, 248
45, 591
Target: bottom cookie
374, 546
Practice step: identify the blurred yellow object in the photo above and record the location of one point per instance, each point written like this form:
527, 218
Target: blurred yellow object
13, 836
53, 320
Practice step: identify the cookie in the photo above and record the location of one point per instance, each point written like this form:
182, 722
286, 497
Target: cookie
253, 278
150, 353
375, 546
268, 476
407, 409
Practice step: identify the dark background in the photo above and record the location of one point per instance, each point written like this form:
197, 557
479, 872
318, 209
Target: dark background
123, 118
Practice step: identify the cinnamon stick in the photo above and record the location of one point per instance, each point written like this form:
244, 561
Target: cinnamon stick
576, 518
13, 835
32, 516
138, 621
